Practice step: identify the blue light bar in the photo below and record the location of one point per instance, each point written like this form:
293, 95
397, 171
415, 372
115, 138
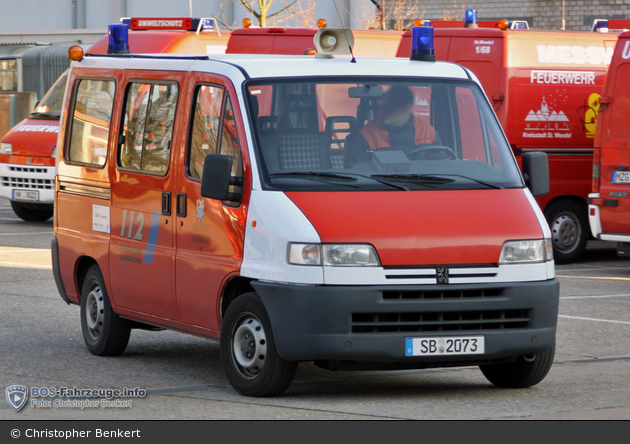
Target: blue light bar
422, 44
519, 25
118, 42
601, 26
470, 20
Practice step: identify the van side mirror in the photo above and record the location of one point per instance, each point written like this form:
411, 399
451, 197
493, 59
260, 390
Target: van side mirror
536, 173
215, 179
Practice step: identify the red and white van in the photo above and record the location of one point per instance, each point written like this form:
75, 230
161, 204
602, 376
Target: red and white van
609, 205
28, 155
204, 195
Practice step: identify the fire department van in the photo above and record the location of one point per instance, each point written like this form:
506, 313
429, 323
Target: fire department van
544, 87
609, 206
28, 155
199, 194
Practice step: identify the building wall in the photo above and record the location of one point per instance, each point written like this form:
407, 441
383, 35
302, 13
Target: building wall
31, 15
578, 14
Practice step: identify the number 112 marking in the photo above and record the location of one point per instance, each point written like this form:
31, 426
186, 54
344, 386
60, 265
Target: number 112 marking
139, 221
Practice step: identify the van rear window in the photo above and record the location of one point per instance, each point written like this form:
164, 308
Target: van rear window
91, 119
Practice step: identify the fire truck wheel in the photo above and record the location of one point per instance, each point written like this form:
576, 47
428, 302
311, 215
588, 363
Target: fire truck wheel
526, 371
104, 332
568, 222
32, 212
248, 351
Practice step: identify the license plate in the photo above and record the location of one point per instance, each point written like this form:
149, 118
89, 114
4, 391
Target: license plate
621, 177
25, 195
445, 346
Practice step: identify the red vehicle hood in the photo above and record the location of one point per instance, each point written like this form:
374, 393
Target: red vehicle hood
423, 227
33, 137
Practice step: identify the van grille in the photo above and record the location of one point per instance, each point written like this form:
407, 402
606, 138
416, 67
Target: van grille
440, 321
26, 183
31, 170
443, 294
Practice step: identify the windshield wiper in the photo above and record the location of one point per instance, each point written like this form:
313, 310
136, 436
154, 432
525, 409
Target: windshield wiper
439, 179
416, 177
349, 176
421, 179
44, 115
316, 175
481, 182
313, 173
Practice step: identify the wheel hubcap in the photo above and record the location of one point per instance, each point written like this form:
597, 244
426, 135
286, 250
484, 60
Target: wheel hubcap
94, 312
566, 232
249, 346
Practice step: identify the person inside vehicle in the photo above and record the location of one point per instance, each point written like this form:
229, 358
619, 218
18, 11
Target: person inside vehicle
395, 128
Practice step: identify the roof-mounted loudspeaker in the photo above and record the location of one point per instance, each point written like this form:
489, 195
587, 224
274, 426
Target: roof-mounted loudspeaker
329, 41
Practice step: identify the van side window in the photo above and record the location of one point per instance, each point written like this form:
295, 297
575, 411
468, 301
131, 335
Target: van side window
204, 133
148, 127
91, 119
230, 145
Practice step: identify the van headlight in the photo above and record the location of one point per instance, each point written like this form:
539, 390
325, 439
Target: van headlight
526, 251
6, 148
333, 255
54, 152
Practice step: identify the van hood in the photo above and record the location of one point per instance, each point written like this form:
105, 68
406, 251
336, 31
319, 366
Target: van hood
33, 137
422, 228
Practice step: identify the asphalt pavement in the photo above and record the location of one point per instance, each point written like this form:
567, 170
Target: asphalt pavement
42, 346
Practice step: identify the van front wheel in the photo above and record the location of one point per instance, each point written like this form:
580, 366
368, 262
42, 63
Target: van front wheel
31, 212
526, 371
104, 332
248, 350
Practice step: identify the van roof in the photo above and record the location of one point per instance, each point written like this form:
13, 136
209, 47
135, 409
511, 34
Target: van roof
266, 65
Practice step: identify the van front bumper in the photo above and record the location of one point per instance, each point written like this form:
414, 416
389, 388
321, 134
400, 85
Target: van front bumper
28, 178
369, 324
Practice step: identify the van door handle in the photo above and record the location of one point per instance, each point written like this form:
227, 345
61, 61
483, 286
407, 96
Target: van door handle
181, 204
166, 203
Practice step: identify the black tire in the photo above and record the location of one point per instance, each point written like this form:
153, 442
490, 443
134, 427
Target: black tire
263, 372
105, 333
568, 222
526, 371
31, 212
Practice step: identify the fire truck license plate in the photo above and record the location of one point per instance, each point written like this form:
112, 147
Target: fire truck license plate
445, 345
621, 177
25, 195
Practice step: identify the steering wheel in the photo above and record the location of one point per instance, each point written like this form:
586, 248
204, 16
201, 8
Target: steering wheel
432, 152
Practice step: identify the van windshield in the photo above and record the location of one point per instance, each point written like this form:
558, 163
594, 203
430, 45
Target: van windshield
50, 105
378, 134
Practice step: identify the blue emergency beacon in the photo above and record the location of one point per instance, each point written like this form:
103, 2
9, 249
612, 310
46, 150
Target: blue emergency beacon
422, 44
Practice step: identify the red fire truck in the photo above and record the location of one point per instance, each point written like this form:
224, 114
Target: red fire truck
545, 87
609, 206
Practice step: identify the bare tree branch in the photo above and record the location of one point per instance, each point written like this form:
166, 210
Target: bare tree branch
250, 9
282, 10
